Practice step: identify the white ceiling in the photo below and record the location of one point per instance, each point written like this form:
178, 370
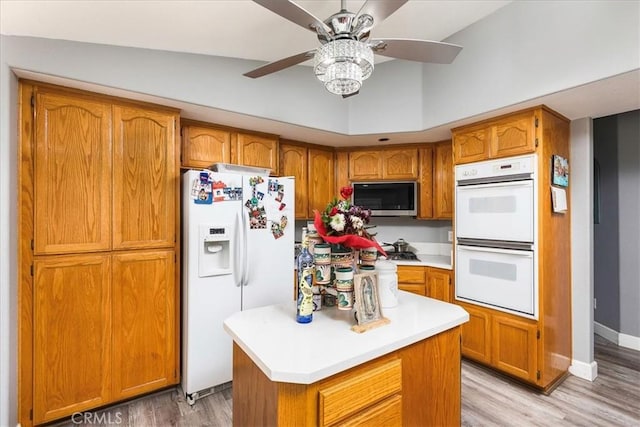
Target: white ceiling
232, 28
243, 29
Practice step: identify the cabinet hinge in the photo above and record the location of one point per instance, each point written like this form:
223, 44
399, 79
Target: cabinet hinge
536, 142
537, 375
32, 244
536, 122
31, 269
33, 101
538, 334
30, 414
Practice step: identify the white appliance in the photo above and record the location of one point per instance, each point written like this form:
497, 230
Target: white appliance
496, 229
238, 242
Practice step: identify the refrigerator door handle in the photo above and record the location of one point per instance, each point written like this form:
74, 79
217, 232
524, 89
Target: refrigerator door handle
245, 251
237, 258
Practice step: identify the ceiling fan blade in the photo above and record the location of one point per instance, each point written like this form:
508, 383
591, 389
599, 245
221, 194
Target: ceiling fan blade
380, 9
281, 64
296, 14
416, 50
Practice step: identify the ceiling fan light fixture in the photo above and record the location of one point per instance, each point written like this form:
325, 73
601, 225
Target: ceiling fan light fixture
343, 64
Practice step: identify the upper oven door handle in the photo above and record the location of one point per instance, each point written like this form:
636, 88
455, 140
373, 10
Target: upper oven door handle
466, 185
523, 253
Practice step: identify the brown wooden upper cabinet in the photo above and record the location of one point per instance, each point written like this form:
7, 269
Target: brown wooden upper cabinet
387, 164
501, 137
255, 150
443, 181
436, 181
144, 171
313, 168
293, 162
72, 174
104, 175
321, 179
203, 146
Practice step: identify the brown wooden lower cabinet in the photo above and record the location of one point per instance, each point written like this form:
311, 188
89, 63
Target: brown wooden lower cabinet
72, 335
418, 385
426, 281
503, 341
144, 322
104, 329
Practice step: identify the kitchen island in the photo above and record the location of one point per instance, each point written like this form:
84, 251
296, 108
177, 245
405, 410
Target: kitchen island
322, 373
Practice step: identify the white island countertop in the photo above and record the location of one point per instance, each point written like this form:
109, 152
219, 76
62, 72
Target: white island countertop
287, 351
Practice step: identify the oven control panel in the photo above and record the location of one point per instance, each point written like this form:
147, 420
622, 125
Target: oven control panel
496, 168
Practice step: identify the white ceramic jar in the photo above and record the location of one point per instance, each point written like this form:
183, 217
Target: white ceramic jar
387, 283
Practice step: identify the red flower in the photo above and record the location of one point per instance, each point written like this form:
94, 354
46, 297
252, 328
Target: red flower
346, 192
334, 211
348, 240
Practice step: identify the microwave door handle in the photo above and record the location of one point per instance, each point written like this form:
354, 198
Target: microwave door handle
524, 253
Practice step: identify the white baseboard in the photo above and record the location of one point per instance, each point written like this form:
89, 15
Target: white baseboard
629, 341
605, 332
586, 371
623, 340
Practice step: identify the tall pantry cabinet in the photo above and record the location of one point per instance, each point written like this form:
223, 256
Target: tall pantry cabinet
99, 295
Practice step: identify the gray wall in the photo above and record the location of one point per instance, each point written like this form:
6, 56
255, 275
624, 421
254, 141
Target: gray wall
581, 171
629, 217
606, 235
617, 237
8, 243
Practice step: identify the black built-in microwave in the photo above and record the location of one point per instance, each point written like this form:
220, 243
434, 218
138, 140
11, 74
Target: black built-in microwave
398, 198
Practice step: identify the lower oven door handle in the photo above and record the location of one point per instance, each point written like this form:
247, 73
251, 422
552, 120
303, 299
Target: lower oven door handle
525, 254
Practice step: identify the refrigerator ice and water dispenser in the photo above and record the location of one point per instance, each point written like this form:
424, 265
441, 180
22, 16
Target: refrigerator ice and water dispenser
215, 257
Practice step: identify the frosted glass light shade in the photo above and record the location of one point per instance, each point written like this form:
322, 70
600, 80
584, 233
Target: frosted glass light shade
342, 65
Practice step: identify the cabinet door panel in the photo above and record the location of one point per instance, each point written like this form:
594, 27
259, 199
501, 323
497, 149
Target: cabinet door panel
365, 165
400, 164
387, 413
293, 162
72, 335
341, 170
426, 183
144, 295
439, 284
476, 335
321, 179
202, 146
144, 176
258, 151
409, 274
72, 175
513, 136
472, 146
514, 347
444, 180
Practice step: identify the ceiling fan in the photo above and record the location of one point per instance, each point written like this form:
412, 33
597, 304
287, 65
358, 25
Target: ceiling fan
345, 58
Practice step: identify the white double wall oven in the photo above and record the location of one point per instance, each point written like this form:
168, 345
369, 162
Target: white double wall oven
496, 234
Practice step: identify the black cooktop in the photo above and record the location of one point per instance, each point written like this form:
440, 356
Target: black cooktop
402, 256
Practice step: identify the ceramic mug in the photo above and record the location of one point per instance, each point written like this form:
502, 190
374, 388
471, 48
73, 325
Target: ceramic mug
323, 274
322, 253
344, 288
368, 256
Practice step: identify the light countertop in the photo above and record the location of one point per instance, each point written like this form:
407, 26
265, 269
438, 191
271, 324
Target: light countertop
287, 351
429, 260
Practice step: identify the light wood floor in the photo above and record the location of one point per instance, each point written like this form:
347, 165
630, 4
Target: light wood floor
613, 399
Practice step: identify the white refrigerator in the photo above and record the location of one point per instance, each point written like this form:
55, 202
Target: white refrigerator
238, 253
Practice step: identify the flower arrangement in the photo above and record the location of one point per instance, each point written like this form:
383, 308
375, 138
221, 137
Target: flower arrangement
344, 223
